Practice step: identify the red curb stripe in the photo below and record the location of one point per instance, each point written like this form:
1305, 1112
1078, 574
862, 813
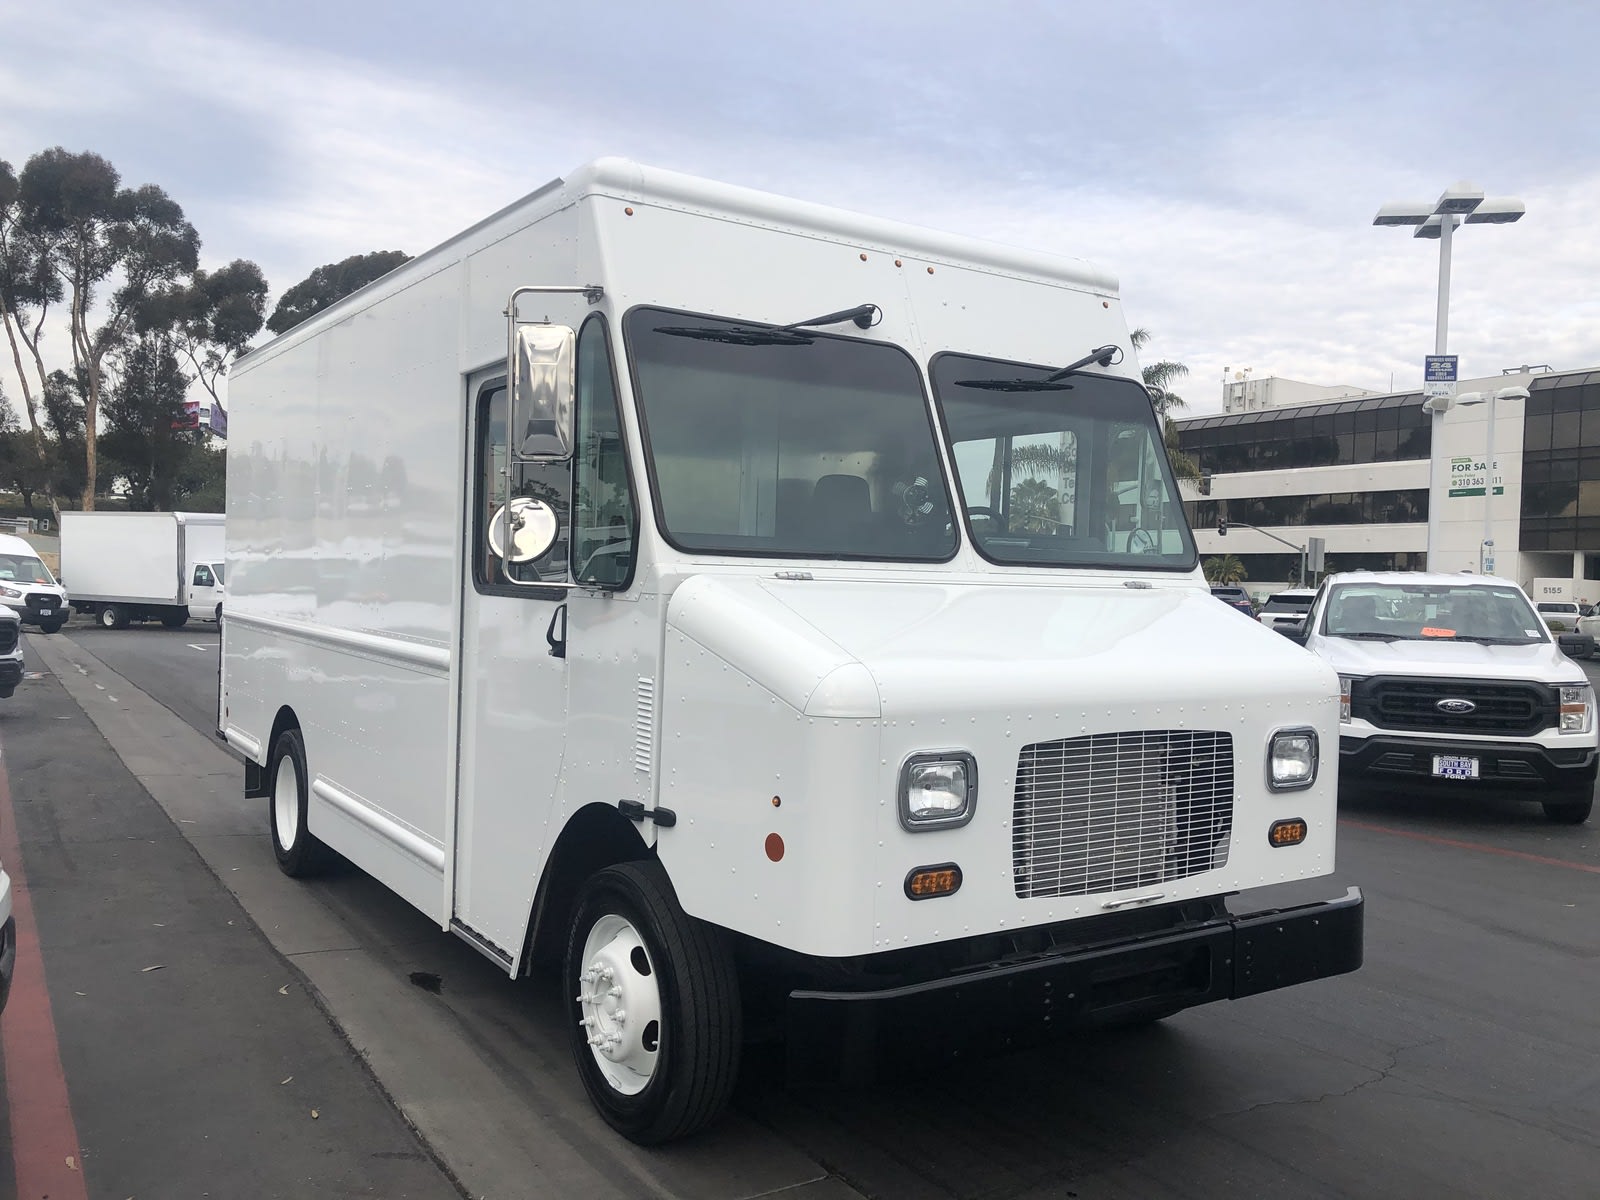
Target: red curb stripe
1480, 847
43, 1134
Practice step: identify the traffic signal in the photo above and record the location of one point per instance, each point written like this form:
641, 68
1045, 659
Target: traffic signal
1222, 526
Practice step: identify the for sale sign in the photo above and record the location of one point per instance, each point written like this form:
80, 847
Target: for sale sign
1468, 476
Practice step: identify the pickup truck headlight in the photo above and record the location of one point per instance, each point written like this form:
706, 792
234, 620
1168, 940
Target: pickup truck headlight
1292, 760
10, 592
938, 790
1577, 708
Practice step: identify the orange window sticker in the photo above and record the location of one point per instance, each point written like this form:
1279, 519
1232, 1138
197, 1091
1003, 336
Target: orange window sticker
1431, 631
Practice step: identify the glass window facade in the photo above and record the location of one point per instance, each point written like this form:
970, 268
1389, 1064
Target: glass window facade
1561, 463
1334, 508
1343, 433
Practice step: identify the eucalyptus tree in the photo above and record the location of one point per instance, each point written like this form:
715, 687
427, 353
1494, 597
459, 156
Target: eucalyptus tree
111, 249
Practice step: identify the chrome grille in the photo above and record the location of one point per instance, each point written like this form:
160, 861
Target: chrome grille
1120, 810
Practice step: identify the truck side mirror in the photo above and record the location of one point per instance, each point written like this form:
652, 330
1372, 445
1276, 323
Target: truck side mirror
541, 393
1295, 632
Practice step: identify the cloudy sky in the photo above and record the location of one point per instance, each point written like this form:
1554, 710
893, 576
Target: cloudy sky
1225, 160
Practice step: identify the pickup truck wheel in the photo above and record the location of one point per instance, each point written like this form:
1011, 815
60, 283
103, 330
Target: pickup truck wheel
1571, 807
654, 1012
298, 853
114, 616
52, 627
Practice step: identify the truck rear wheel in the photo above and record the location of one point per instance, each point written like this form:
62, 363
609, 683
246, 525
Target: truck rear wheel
113, 616
1571, 807
654, 1008
299, 854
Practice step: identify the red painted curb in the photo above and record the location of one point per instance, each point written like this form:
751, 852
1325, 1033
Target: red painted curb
45, 1155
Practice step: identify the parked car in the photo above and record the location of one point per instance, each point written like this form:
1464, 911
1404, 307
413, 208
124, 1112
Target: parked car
8, 939
1234, 597
1564, 619
1454, 681
1286, 608
10, 652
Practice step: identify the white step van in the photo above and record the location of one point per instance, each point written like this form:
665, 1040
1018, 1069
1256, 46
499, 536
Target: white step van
781, 620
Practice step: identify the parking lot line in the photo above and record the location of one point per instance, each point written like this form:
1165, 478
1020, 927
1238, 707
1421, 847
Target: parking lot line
45, 1155
1481, 847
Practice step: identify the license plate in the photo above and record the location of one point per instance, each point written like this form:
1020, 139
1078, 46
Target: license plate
1455, 766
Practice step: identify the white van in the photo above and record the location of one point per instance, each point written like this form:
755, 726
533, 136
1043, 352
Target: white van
784, 617
27, 588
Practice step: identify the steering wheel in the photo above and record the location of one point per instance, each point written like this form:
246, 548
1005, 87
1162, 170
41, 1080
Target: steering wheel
1142, 541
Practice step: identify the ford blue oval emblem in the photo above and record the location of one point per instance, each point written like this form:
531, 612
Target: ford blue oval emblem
1456, 707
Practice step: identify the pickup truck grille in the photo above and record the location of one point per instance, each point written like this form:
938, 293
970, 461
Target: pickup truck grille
1120, 810
8, 636
1413, 704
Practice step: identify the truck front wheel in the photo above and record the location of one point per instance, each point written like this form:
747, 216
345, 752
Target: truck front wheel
1572, 806
298, 853
653, 1002
113, 616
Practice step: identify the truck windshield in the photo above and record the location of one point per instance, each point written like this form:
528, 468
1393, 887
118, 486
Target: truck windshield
1427, 612
1063, 473
19, 568
805, 445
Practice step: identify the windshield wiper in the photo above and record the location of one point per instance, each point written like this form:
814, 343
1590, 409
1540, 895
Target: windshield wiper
1369, 636
1487, 640
864, 316
1104, 356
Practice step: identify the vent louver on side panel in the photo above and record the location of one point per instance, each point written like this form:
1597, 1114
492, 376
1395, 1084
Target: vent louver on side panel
644, 724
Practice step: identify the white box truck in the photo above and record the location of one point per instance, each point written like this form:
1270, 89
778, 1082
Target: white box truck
780, 620
144, 566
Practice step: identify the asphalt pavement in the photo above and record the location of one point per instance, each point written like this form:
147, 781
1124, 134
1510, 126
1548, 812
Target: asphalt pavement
1463, 1060
195, 1059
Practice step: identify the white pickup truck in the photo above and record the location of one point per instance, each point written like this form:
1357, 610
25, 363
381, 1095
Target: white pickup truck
1454, 681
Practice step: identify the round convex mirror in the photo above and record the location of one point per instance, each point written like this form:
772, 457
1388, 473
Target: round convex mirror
534, 529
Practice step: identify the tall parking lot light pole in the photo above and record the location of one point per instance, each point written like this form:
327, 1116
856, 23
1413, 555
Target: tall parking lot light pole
1457, 203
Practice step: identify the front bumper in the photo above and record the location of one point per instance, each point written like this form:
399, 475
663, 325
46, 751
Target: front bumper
1504, 765
1005, 1006
30, 609
10, 674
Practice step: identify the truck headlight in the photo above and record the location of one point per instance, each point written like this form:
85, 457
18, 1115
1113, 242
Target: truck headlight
938, 790
10, 592
1292, 760
1345, 682
1577, 708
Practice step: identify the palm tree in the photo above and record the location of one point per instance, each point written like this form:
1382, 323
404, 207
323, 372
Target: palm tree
1159, 378
1034, 506
1224, 568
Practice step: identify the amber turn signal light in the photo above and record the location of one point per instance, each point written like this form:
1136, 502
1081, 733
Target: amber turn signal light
1287, 833
924, 883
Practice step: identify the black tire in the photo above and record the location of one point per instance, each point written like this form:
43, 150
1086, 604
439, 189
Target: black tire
303, 855
52, 627
1571, 807
700, 1031
113, 616
174, 620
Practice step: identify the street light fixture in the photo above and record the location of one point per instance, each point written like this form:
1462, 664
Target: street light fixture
1459, 202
